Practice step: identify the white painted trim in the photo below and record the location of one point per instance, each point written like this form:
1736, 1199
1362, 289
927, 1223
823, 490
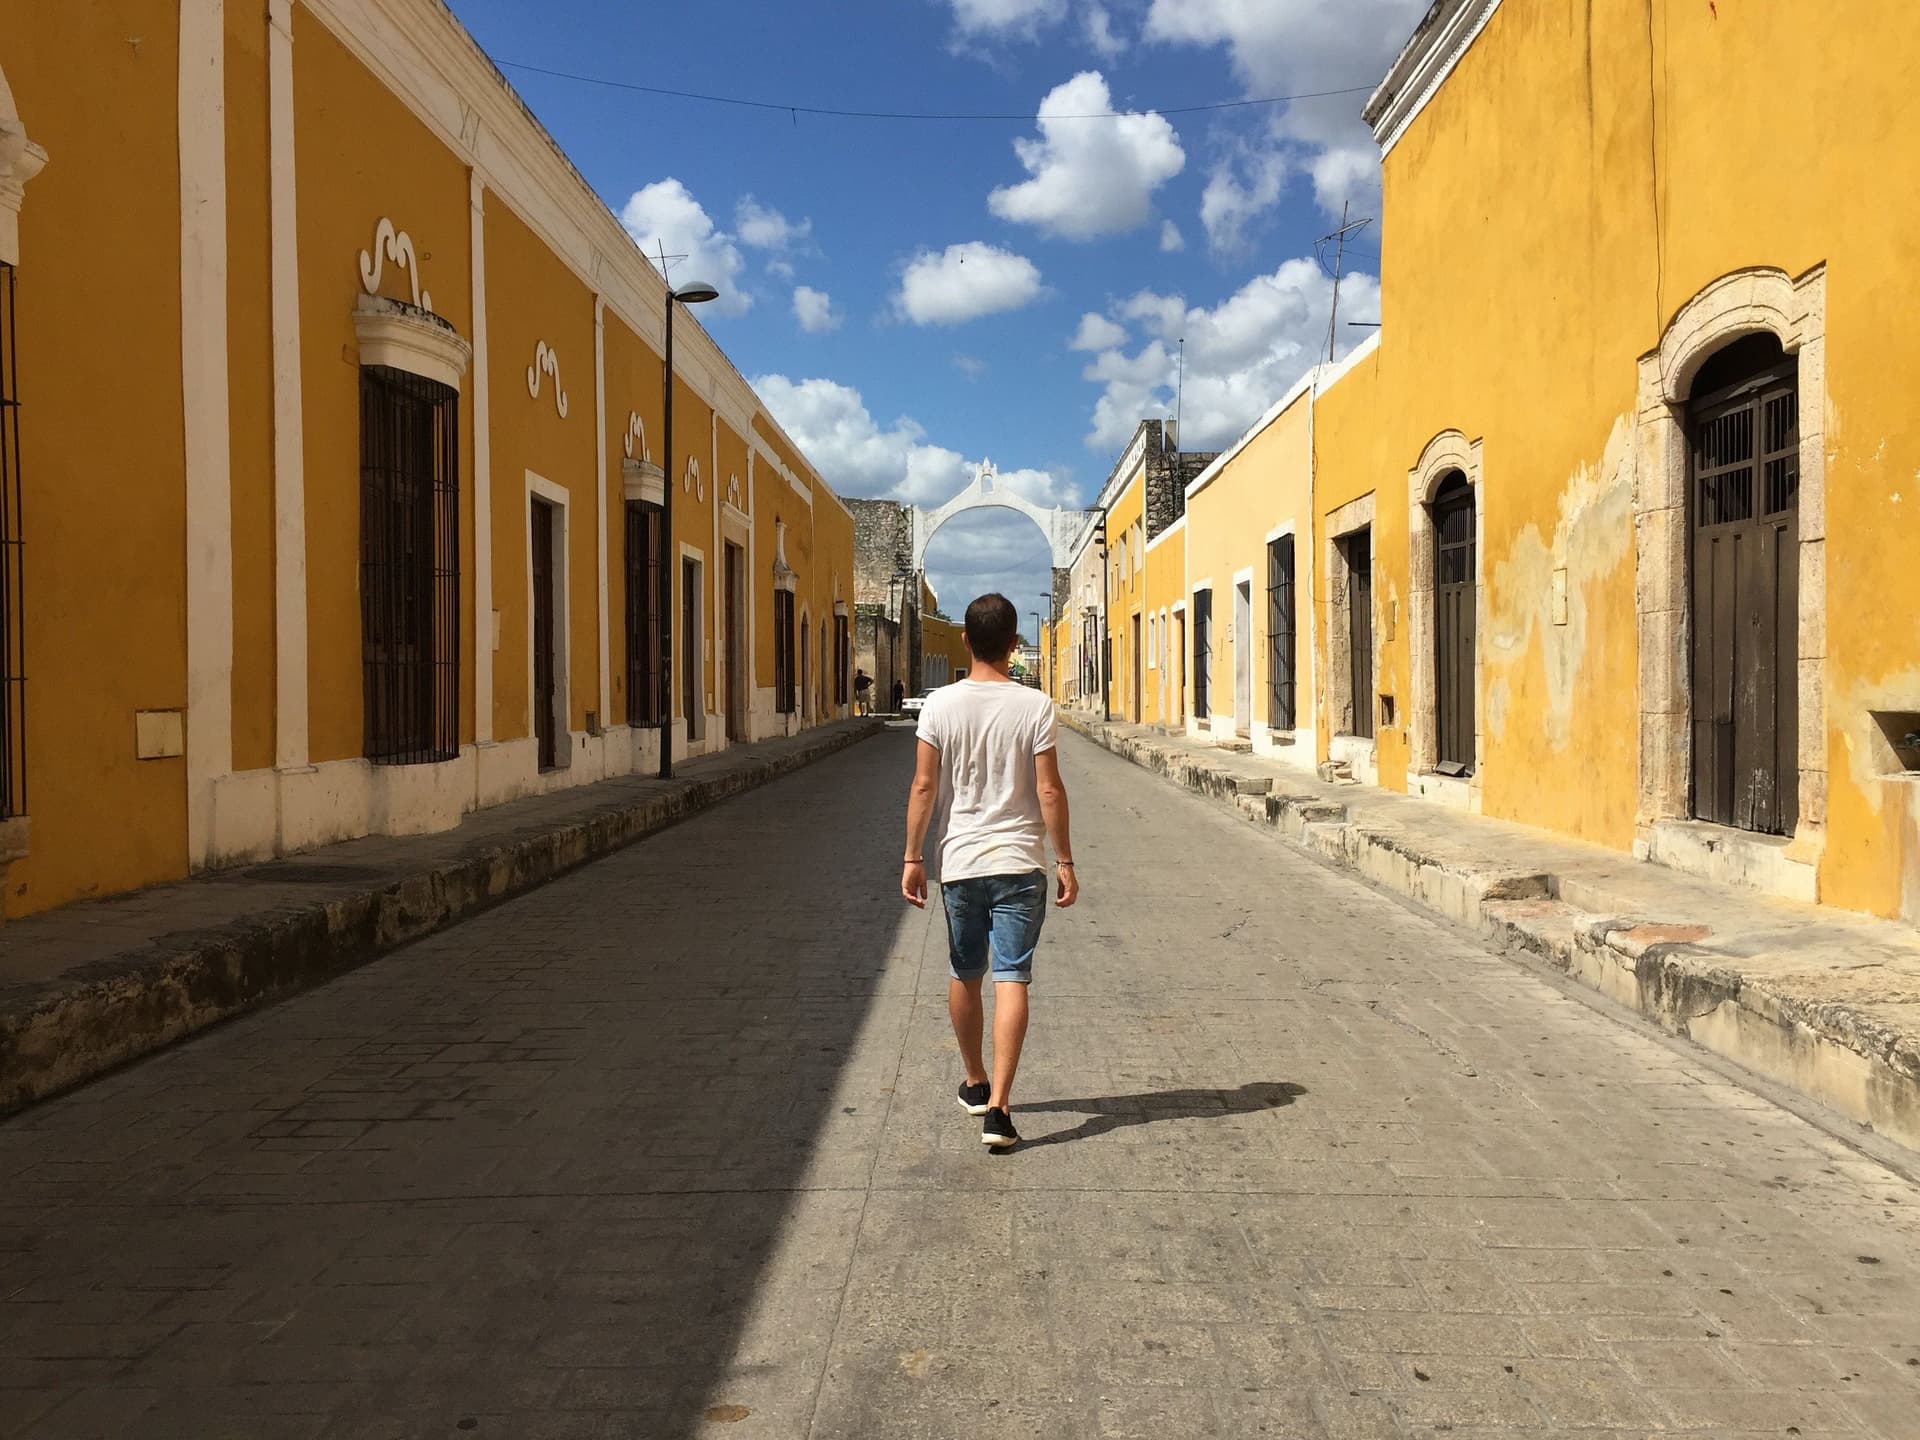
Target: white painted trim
20, 161
1438, 45
600, 491
1243, 577
1332, 375
205, 419
402, 337
561, 499
695, 735
1179, 527
485, 633
1280, 532
290, 745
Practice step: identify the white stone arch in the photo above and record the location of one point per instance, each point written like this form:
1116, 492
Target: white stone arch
1063, 528
1447, 452
1758, 300
20, 161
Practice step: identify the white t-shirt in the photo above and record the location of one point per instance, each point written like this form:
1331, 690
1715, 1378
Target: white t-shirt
987, 733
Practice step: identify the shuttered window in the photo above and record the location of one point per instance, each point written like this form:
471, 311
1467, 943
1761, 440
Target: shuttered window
645, 684
1282, 640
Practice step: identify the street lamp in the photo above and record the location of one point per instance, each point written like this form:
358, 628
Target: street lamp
694, 293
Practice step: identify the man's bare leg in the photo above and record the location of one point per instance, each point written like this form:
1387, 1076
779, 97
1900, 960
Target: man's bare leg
969, 1019
1009, 1034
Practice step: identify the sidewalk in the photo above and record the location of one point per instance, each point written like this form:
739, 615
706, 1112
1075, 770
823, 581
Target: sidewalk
1823, 1001
91, 986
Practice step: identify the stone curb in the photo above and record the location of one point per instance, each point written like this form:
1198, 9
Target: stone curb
145, 999
1833, 1053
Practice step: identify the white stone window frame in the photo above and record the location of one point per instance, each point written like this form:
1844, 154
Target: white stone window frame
1447, 452
1757, 300
545, 491
1353, 516
1153, 640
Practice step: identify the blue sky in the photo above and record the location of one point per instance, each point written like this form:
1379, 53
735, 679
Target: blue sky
911, 296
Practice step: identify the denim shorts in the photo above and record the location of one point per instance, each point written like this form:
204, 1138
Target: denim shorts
995, 917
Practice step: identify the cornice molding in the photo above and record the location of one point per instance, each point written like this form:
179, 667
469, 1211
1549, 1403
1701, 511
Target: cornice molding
1442, 38
407, 337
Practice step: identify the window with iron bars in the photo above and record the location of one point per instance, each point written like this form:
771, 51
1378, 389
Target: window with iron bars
13, 682
784, 689
645, 679
409, 566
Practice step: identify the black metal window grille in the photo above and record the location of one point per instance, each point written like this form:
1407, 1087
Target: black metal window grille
644, 682
1202, 653
13, 680
1281, 634
409, 566
842, 654
783, 666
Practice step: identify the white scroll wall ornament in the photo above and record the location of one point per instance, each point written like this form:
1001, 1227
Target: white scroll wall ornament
636, 435
546, 361
397, 246
692, 481
733, 491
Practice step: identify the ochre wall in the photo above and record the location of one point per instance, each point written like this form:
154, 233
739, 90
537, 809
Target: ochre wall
537, 298
360, 155
633, 373
101, 433
1576, 181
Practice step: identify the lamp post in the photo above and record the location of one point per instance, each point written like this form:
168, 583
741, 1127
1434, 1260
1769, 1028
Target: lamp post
695, 293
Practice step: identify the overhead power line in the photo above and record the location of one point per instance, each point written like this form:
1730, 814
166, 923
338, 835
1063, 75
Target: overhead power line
823, 110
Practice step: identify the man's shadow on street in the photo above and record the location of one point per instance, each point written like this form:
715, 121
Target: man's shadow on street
1108, 1113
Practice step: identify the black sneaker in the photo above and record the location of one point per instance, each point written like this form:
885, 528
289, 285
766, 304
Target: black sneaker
973, 1098
998, 1132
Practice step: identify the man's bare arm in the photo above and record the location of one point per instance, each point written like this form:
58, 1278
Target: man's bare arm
1053, 809
921, 798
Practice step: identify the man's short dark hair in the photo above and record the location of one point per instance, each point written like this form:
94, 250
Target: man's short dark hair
992, 627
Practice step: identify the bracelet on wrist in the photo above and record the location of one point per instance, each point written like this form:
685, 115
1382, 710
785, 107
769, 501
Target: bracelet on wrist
913, 860
1064, 864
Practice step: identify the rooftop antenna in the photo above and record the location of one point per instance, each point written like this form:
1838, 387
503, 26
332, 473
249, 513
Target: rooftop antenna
1339, 240
665, 259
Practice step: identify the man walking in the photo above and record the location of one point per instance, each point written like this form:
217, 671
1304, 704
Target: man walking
987, 762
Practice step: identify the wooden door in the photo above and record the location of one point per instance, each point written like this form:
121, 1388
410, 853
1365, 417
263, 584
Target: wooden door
545, 698
1138, 657
1178, 651
1454, 622
736, 662
1243, 658
1744, 454
1358, 548
690, 646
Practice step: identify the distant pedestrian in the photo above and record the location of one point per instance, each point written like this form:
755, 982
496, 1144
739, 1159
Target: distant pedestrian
899, 697
862, 684
987, 764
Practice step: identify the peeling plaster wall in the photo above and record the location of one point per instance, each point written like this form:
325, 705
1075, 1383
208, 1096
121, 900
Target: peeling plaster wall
1563, 195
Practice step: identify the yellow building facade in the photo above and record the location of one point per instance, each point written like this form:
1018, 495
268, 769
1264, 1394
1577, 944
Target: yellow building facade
1248, 529
1612, 524
389, 549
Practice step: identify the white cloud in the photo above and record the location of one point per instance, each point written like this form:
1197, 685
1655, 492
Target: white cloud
971, 366
997, 18
964, 282
1241, 355
666, 214
1230, 202
765, 228
1281, 47
1096, 332
814, 310
1089, 177
1171, 240
1097, 26
857, 456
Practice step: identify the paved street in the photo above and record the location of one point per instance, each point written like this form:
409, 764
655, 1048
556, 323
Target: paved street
669, 1147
